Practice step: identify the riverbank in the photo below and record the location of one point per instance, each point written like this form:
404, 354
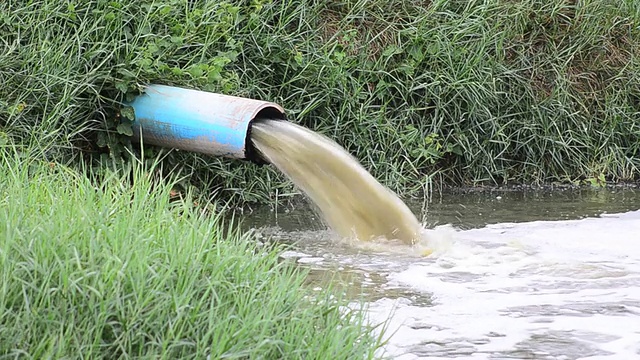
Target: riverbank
474, 94
118, 269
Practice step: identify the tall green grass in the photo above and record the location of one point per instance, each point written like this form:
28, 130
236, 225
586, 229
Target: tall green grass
453, 92
118, 271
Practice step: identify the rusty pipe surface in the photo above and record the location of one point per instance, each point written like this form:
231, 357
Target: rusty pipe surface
199, 121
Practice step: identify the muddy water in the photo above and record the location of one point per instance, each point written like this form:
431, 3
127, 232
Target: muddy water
351, 201
514, 275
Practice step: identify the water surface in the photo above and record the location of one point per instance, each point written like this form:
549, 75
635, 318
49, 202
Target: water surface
514, 275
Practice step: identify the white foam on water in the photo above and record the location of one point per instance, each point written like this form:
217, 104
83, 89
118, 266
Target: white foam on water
543, 290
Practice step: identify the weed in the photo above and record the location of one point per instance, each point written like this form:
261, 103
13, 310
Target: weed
117, 271
511, 92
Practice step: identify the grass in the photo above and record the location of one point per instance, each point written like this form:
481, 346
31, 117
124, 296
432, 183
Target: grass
425, 93
119, 271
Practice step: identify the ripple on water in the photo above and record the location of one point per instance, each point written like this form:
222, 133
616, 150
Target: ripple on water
522, 291
538, 290
581, 309
556, 345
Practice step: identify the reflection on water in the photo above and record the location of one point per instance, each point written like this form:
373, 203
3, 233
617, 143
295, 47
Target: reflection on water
476, 209
549, 275
470, 209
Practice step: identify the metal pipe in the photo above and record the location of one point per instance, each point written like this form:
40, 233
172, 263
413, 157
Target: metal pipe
199, 121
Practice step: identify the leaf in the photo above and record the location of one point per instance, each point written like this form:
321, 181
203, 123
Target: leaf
145, 63
392, 50
178, 40
433, 49
4, 139
128, 112
196, 71
455, 149
126, 73
102, 140
125, 129
417, 53
123, 87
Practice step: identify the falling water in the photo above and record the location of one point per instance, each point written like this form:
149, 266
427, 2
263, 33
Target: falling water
349, 199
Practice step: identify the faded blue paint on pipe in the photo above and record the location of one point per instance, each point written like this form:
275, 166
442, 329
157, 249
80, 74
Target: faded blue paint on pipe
199, 121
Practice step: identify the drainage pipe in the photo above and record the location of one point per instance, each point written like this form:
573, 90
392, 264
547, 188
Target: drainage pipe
199, 121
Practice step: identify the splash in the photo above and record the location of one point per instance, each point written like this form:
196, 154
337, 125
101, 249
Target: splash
351, 201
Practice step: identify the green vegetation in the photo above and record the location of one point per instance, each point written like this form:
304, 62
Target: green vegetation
459, 92
114, 272
95, 259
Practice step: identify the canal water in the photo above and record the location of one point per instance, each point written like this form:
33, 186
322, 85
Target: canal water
512, 274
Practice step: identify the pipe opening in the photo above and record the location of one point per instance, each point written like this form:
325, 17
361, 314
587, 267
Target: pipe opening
268, 113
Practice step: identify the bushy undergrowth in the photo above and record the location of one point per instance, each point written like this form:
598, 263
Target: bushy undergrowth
461, 92
115, 272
